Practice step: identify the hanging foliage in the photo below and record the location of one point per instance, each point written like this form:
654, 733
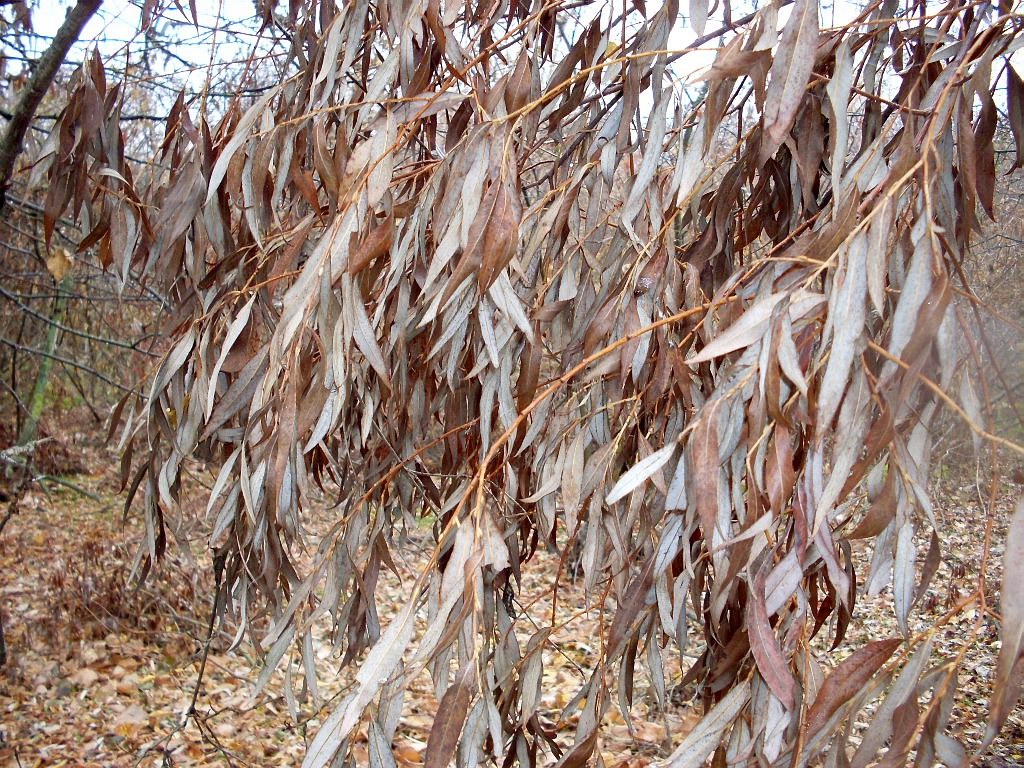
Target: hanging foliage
527, 270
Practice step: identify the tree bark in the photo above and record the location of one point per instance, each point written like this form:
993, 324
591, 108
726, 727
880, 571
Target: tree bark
37, 401
39, 83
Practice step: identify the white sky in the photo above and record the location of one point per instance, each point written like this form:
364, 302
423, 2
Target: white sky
116, 24
115, 29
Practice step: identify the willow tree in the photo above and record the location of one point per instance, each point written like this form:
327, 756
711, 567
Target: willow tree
553, 277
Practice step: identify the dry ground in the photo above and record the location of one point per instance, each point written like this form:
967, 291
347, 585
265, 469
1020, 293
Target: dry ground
100, 675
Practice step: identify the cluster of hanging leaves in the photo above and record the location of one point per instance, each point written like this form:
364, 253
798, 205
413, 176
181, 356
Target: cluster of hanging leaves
499, 265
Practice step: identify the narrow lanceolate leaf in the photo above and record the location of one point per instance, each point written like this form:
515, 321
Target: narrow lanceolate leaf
366, 340
708, 733
239, 137
640, 471
765, 646
780, 476
381, 662
881, 726
698, 16
781, 582
379, 748
676, 496
633, 602
847, 314
750, 327
752, 324
916, 290
838, 90
451, 716
1015, 110
790, 72
705, 476
656, 126
1009, 664
376, 243
234, 330
847, 680
904, 568
520, 83
174, 361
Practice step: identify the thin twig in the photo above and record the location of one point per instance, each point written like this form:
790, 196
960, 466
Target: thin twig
218, 574
67, 361
134, 346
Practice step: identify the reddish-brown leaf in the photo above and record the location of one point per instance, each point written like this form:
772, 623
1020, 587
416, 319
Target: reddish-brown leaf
519, 87
451, 716
376, 243
847, 680
780, 476
501, 232
706, 470
880, 513
985, 159
765, 646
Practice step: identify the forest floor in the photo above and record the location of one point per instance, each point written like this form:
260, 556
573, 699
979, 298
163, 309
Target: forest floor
101, 674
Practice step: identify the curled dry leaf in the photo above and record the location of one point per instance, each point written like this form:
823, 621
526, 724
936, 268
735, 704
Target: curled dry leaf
59, 263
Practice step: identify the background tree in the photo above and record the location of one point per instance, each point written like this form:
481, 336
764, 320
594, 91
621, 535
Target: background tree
64, 310
497, 266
